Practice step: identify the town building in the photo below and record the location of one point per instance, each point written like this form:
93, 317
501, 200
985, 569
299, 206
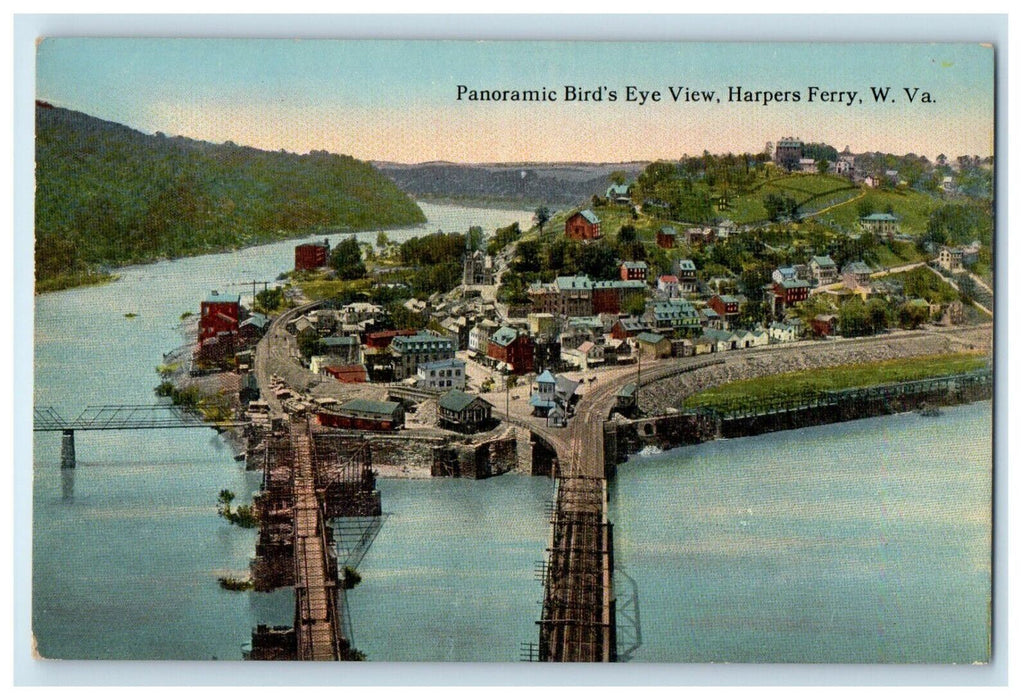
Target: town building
442, 374
364, 414
251, 330
883, 225
725, 305
410, 351
618, 194
633, 270
346, 374
788, 293
671, 316
653, 346
582, 226
857, 273
463, 412
612, 296
219, 313
788, 153
346, 349
686, 271
478, 337
587, 356
666, 237
477, 270
668, 285
544, 389
949, 259
823, 325
783, 332
311, 256
823, 270
628, 327
513, 349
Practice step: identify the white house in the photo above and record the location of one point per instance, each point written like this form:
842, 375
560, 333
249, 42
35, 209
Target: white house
443, 374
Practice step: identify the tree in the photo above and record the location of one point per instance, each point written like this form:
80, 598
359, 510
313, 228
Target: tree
912, 316
475, 236
309, 342
823, 166
382, 240
617, 177
635, 305
269, 299
627, 234
346, 259
541, 216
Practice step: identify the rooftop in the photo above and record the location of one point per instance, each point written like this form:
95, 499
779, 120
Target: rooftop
216, 297
650, 338
385, 408
455, 400
589, 216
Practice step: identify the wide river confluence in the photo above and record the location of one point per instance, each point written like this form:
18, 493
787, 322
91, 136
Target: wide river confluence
865, 541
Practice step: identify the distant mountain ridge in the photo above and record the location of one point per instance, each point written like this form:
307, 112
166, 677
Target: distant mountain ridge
109, 195
558, 184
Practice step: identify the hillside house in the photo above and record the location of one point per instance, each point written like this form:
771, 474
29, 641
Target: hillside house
582, 226
686, 271
666, 237
823, 270
857, 274
618, 194
725, 305
882, 225
633, 270
949, 259
628, 327
788, 293
788, 152
668, 286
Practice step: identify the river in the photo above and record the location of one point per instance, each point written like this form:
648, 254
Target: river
861, 541
127, 548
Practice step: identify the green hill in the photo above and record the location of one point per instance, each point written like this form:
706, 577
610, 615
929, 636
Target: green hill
107, 195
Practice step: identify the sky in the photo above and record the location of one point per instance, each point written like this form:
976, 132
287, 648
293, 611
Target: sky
397, 100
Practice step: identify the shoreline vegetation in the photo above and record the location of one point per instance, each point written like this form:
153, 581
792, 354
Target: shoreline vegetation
109, 196
795, 384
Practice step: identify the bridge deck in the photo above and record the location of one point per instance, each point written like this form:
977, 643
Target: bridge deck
317, 616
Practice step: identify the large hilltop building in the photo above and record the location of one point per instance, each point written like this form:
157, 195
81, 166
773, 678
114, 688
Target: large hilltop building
788, 152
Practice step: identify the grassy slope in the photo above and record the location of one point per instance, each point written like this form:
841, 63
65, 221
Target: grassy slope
845, 376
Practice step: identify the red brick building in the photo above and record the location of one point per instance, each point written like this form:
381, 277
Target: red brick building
583, 226
790, 292
666, 237
513, 348
219, 313
633, 270
311, 256
724, 305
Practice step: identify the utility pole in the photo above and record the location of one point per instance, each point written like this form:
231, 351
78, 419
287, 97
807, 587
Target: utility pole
636, 394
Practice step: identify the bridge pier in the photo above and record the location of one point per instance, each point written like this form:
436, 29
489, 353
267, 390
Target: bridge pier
67, 449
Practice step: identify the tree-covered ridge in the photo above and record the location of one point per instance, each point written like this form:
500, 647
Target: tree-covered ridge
108, 195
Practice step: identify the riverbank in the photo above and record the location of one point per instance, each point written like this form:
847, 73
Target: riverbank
657, 396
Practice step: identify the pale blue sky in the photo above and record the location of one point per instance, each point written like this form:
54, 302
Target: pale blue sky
396, 100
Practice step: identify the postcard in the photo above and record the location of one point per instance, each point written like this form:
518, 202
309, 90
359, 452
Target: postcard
541, 351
